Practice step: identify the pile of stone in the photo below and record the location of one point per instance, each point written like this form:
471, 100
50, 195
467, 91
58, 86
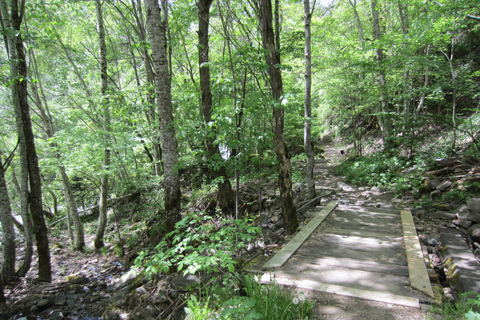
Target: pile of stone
468, 222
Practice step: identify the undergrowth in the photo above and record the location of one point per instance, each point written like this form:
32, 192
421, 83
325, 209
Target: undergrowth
255, 301
468, 308
382, 170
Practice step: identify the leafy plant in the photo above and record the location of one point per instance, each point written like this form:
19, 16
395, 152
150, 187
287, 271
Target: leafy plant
200, 245
467, 307
274, 303
260, 302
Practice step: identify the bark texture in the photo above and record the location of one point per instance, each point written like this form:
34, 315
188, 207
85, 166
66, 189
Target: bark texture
307, 136
18, 73
225, 195
104, 181
8, 233
156, 27
275, 77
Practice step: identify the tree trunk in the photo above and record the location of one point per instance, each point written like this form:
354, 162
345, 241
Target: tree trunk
18, 70
272, 58
157, 29
225, 195
8, 232
73, 210
384, 118
79, 240
3, 301
104, 180
307, 141
359, 22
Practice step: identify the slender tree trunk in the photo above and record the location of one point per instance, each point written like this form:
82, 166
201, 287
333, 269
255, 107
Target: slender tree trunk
79, 240
157, 29
225, 195
15, 49
275, 77
307, 136
384, 118
104, 181
23, 187
3, 301
353, 3
8, 233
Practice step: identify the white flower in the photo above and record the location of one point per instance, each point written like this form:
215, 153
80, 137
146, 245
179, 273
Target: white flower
295, 300
302, 297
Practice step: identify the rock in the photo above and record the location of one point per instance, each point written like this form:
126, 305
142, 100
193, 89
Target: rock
432, 184
141, 290
129, 276
462, 223
56, 315
181, 282
444, 207
477, 253
430, 241
464, 213
132, 300
149, 312
276, 218
474, 205
345, 187
443, 215
114, 313
77, 280
444, 185
43, 303
437, 194
474, 232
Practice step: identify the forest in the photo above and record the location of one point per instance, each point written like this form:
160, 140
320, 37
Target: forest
170, 114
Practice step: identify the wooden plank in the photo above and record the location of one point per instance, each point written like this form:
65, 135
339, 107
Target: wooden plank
367, 213
419, 278
292, 246
386, 211
345, 291
393, 257
358, 243
363, 221
393, 229
385, 234
305, 262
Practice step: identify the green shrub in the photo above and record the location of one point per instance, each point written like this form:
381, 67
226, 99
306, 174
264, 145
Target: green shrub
468, 308
261, 302
377, 170
199, 245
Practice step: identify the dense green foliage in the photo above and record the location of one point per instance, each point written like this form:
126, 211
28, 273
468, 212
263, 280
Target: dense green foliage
259, 302
199, 244
431, 66
467, 308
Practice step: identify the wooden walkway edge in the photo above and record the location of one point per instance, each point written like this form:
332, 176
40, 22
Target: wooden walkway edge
292, 246
417, 270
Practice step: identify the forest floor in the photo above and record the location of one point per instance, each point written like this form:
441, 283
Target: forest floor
84, 285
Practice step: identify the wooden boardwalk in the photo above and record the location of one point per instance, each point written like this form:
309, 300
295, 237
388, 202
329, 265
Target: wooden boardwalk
368, 253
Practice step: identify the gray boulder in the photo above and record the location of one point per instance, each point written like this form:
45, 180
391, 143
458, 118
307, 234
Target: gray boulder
474, 205
462, 223
474, 232
444, 185
464, 213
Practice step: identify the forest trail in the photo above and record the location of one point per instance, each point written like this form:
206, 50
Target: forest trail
357, 251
